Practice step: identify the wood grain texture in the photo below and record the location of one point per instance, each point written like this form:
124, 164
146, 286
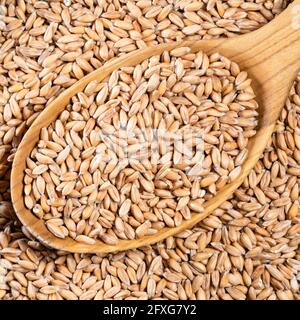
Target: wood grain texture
270, 55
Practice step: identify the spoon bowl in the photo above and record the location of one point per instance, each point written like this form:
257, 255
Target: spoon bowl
270, 55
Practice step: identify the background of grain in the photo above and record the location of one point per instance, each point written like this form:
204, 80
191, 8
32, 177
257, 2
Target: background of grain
249, 247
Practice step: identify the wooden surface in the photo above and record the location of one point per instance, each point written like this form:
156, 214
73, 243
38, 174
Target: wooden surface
271, 55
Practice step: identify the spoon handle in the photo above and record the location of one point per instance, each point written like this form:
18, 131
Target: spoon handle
277, 45
271, 56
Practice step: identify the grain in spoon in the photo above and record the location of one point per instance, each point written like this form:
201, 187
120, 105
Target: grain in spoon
271, 56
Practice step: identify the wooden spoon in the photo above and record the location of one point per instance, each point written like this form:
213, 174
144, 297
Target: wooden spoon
270, 55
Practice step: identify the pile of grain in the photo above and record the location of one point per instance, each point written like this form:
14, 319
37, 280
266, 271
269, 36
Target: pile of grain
249, 247
142, 150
